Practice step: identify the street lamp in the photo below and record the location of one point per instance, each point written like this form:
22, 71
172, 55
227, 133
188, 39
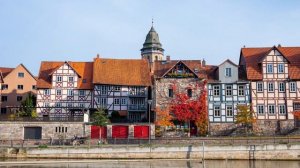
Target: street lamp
149, 110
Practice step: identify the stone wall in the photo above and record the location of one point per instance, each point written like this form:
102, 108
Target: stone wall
272, 127
221, 129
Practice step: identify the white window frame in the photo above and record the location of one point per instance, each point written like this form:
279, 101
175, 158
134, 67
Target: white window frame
21, 76
281, 109
70, 104
228, 90
116, 101
281, 87
280, 68
217, 108
81, 92
123, 101
259, 108
293, 87
81, 105
46, 104
117, 88
58, 78
258, 86
58, 92
71, 77
228, 72
58, 104
229, 110
269, 87
241, 90
47, 92
216, 90
271, 109
270, 68
70, 92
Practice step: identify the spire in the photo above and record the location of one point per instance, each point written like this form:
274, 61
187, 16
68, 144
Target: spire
152, 22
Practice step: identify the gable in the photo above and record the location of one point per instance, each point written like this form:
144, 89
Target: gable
274, 56
180, 70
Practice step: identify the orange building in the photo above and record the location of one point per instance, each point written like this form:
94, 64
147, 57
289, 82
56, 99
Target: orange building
17, 83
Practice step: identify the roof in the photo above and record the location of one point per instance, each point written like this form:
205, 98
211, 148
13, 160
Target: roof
83, 69
5, 71
253, 57
162, 67
126, 72
152, 40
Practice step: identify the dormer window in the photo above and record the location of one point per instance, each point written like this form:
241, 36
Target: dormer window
228, 72
269, 68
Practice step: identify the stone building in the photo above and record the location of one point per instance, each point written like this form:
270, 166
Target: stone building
227, 88
17, 84
274, 77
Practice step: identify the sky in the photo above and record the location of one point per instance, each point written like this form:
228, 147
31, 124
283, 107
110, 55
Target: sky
32, 31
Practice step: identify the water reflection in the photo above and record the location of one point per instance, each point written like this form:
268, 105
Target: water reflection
162, 164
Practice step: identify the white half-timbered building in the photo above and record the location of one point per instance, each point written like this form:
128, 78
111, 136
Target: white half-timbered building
122, 86
64, 89
226, 90
275, 79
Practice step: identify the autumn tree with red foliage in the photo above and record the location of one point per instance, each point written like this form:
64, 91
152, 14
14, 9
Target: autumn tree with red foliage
163, 117
297, 114
188, 109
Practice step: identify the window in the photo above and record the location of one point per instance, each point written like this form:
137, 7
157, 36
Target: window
33, 87
116, 101
228, 90
270, 87
228, 72
4, 87
260, 87
216, 90
189, 92
241, 90
70, 92
59, 79
82, 105
47, 104
269, 68
104, 90
117, 88
101, 101
20, 87
58, 92
171, 93
81, 93
70, 105
280, 68
47, 92
296, 106
281, 87
293, 87
3, 98
83, 80
57, 104
19, 98
281, 109
260, 109
21, 75
217, 111
61, 129
271, 109
229, 111
71, 79
123, 101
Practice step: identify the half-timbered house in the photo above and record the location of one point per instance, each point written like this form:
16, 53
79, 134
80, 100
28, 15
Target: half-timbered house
226, 90
122, 86
275, 79
64, 89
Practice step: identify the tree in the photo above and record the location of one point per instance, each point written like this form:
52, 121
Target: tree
245, 116
27, 106
296, 115
163, 117
99, 118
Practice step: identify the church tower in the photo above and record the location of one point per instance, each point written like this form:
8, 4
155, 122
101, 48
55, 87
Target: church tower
152, 49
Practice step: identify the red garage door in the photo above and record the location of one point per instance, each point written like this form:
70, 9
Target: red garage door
141, 132
119, 131
95, 132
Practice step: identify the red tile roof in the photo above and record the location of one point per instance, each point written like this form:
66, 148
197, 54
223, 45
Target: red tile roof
253, 57
84, 70
5, 71
127, 72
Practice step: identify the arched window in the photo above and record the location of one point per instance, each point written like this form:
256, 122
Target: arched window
156, 58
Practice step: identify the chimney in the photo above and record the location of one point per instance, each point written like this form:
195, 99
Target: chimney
97, 57
279, 45
168, 58
203, 63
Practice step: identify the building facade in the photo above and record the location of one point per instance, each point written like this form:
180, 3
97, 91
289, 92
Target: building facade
17, 84
226, 90
122, 86
64, 89
274, 76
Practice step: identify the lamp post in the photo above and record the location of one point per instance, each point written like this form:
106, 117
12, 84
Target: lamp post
149, 116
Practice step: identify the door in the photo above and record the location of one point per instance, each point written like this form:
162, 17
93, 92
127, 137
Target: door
95, 132
119, 131
32, 132
141, 132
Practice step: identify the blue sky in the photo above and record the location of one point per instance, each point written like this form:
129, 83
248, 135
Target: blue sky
32, 31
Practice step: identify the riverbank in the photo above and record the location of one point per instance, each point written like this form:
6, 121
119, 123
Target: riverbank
239, 152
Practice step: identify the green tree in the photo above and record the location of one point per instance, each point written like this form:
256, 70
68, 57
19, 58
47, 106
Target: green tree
99, 118
28, 106
245, 116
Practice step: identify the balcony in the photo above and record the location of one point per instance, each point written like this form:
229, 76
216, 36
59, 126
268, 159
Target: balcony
137, 107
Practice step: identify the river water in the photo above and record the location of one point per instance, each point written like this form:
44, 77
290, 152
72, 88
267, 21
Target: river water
150, 164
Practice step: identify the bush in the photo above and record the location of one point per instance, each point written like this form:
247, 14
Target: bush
43, 146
